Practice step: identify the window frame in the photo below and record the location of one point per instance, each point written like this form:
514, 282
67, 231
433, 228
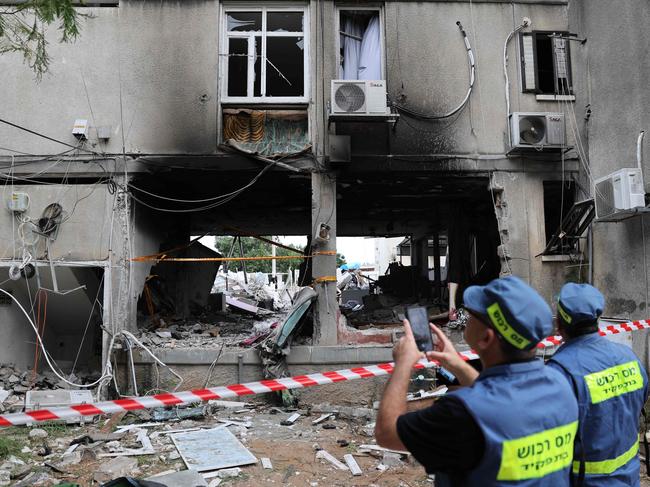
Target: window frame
379, 8
522, 63
224, 49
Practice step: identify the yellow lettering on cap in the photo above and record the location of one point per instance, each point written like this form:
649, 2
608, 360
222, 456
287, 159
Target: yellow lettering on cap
537, 455
500, 323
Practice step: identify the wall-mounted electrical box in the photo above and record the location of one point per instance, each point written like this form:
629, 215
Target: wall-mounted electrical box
80, 129
18, 202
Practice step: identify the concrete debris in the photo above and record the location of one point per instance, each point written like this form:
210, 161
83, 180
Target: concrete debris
119, 451
114, 468
378, 448
162, 414
290, 420
266, 463
352, 464
5, 477
229, 473
346, 412
392, 459
215, 482
322, 418
38, 433
326, 456
189, 478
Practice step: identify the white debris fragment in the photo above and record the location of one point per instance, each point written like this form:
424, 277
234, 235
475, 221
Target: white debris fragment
352, 464
266, 463
391, 459
323, 417
326, 456
215, 483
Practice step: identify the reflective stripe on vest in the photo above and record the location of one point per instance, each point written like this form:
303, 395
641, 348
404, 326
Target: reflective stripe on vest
537, 455
605, 467
615, 381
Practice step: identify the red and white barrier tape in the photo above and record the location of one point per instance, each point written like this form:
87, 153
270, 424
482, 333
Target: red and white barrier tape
250, 388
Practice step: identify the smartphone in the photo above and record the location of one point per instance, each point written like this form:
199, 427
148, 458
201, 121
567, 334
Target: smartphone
419, 319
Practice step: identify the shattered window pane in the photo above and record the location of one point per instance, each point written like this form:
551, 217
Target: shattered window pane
244, 21
284, 22
237, 67
285, 68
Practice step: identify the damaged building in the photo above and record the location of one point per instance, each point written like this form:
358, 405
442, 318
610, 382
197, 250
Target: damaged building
455, 125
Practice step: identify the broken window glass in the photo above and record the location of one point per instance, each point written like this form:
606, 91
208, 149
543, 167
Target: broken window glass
244, 21
266, 54
285, 69
284, 22
237, 67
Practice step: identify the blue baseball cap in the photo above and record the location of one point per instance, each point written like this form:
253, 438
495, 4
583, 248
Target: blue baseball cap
514, 309
580, 303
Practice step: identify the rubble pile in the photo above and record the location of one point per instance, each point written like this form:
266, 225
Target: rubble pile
16, 383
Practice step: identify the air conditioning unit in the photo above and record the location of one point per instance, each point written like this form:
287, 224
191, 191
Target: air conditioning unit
537, 130
621, 190
364, 97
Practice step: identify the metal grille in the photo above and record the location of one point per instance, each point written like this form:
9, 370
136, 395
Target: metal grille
350, 97
605, 198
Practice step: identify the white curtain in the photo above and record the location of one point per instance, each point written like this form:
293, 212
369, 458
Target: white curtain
370, 56
351, 48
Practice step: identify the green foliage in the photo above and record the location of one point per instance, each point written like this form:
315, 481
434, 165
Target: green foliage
23, 29
256, 248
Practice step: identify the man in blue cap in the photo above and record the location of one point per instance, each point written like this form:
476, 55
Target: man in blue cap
514, 424
611, 387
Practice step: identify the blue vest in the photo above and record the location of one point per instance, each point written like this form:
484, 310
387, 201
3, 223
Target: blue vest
529, 418
611, 387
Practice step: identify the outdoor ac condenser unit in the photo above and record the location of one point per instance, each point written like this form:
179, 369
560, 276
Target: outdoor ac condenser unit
537, 130
619, 191
363, 97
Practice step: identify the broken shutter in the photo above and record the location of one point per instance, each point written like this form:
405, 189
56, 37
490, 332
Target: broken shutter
528, 68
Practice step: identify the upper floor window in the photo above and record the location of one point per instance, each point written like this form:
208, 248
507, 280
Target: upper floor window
546, 63
360, 53
264, 56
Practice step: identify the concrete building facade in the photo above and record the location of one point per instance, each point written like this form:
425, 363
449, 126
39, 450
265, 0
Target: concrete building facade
162, 84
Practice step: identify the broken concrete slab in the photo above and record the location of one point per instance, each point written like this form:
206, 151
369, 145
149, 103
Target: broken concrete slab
266, 463
176, 479
211, 449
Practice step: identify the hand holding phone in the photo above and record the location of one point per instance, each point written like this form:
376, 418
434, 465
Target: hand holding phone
419, 320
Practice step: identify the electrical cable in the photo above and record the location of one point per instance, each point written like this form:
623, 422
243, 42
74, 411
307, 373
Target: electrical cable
463, 103
45, 136
206, 207
505, 70
46, 355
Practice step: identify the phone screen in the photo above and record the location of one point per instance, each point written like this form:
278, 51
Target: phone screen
419, 319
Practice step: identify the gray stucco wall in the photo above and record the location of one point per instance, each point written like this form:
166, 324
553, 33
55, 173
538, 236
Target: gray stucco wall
614, 82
